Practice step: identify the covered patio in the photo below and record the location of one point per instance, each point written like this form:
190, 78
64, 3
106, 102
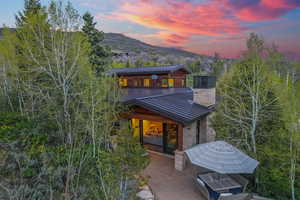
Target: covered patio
168, 183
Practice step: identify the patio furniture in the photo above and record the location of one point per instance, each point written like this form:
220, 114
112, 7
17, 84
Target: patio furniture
216, 186
241, 180
221, 157
202, 188
219, 182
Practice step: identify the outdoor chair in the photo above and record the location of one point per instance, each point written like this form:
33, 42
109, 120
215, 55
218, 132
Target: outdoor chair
202, 188
241, 180
208, 193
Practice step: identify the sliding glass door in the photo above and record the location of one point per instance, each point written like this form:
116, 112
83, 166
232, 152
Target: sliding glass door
170, 138
156, 136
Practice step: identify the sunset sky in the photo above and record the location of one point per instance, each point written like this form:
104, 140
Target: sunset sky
201, 26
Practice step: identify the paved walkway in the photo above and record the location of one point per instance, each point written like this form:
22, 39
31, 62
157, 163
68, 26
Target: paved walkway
168, 183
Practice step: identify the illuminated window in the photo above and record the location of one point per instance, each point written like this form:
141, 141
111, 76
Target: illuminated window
164, 83
151, 130
146, 82
135, 123
171, 82
183, 83
123, 82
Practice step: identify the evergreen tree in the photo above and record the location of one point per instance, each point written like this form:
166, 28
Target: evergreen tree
58, 119
99, 56
31, 7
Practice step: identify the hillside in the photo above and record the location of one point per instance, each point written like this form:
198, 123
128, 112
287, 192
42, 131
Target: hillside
121, 43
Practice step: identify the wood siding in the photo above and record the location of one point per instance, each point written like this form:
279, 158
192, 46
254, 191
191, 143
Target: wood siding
179, 77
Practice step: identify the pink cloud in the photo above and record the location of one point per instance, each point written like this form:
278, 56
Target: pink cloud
267, 10
173, 38
182, 19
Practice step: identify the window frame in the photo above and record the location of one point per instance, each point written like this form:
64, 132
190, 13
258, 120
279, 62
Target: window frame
166, 84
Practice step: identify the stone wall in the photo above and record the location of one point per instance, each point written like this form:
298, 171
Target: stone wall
206, 97
180, 160
189, 135
207, 133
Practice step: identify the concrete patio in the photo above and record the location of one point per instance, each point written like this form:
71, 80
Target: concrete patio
170, 184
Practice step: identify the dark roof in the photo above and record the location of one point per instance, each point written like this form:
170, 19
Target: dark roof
178, 106
146, 70
133, 93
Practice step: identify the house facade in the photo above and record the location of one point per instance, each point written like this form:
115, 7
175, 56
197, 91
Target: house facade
166, 115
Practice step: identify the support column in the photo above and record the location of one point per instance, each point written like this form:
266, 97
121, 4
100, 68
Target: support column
180, 160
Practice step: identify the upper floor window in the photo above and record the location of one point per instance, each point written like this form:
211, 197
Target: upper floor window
147, 82
171, 82
164, 83
123, 82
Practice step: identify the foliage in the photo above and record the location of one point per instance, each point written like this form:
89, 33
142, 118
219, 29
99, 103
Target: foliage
31, 7
218, 66
99, 56
58, 136
253, 117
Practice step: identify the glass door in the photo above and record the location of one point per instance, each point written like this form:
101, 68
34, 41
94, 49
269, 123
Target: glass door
170, 138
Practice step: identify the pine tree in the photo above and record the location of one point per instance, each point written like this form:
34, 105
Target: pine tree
99, 55
31, 7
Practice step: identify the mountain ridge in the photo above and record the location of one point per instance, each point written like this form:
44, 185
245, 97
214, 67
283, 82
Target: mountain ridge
125, 44
121, 43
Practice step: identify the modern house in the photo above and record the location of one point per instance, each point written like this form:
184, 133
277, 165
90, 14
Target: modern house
167, 116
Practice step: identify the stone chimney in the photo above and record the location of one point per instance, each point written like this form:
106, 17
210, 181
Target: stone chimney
204, 90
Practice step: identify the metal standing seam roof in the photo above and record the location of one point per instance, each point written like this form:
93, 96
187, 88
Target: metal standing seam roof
146, 70
177, 106
221, 157
134, 93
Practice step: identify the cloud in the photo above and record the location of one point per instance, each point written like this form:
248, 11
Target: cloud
264, 10
173, 38
179, 17
178, 22
185, 18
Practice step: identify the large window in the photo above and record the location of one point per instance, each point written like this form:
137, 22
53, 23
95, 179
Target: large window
164, 83
153, 133
146, 82
156, 136
171, 82
135, 123
123, 82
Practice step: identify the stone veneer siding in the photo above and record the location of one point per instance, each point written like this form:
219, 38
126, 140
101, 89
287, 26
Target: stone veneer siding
207, 134
189, 135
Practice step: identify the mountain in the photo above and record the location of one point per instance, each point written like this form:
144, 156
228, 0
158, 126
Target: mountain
123, 44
